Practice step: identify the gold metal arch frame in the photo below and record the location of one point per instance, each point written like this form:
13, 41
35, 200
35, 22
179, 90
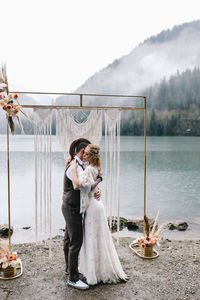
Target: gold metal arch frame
80, 106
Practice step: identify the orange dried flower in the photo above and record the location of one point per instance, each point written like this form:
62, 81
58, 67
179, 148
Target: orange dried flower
15, 96
10, 257
152, 241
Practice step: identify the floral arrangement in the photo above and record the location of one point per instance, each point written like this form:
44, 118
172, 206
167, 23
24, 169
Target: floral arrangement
10, 104
7, 259
151, 238
7, 103
145, 242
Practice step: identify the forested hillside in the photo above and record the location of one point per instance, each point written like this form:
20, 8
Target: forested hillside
173, 107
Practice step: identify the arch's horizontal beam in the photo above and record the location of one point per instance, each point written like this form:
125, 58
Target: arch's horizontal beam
79, 94
83, 107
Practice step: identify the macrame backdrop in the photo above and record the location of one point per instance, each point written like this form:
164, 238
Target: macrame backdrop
71, 125
42, 145
112, 165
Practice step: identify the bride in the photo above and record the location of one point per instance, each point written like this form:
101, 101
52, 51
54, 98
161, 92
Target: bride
99, 261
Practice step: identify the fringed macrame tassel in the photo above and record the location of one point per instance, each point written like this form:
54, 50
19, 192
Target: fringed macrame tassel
43, 203
112, 165
118, 179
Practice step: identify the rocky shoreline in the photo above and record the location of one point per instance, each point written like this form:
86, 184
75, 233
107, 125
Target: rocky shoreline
136, 224
173, 275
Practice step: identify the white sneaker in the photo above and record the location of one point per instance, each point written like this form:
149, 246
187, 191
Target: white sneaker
78, 284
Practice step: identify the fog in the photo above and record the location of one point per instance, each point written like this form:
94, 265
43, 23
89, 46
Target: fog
147, 64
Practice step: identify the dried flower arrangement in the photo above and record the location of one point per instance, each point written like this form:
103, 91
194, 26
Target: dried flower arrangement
150, 238
10, 103
8, 261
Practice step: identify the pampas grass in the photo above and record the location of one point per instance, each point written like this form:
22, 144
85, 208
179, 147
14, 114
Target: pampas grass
3, 79
155, 224
155, 231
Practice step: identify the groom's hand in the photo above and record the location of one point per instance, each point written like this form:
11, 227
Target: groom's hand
97, 194
74, 165
68, 160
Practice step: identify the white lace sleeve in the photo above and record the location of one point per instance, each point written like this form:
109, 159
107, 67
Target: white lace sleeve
85, 180
85, 177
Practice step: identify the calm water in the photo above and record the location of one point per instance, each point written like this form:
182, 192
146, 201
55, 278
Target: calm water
173, 178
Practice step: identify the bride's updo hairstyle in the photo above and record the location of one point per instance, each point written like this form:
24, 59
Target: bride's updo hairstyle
95, 159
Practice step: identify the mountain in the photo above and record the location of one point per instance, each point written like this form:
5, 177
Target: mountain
159, 56
165, 68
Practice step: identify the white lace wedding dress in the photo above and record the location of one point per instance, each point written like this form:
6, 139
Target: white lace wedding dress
99, 261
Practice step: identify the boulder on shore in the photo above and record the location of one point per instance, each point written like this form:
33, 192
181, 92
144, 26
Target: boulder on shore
179, 225
138, 224
122, 223
4, 230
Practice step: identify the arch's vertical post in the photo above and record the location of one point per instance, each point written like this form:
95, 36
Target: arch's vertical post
8, 167
81, 100
144, 159
8, 162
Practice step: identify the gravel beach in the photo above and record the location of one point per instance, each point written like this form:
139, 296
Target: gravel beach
173, 275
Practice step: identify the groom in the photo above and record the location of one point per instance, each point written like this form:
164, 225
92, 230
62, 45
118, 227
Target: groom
71, 211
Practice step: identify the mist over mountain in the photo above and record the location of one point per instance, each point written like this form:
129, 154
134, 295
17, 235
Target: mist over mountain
159, 56
165, 68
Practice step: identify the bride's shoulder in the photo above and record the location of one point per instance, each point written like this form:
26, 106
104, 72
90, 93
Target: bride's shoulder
89, 167
92, 168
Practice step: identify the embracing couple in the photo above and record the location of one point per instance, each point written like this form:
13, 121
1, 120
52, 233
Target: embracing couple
87, 236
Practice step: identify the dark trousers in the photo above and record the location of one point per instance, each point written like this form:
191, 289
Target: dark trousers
73, 239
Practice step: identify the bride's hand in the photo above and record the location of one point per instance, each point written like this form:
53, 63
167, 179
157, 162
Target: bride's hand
74, 165
100, 172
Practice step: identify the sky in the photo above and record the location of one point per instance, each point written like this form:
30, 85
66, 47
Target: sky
56, 45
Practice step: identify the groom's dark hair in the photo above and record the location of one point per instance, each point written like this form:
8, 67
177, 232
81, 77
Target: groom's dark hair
77, 145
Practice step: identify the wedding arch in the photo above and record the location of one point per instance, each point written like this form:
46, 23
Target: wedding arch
73, 121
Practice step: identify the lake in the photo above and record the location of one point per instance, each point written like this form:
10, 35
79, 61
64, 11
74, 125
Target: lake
173, 177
